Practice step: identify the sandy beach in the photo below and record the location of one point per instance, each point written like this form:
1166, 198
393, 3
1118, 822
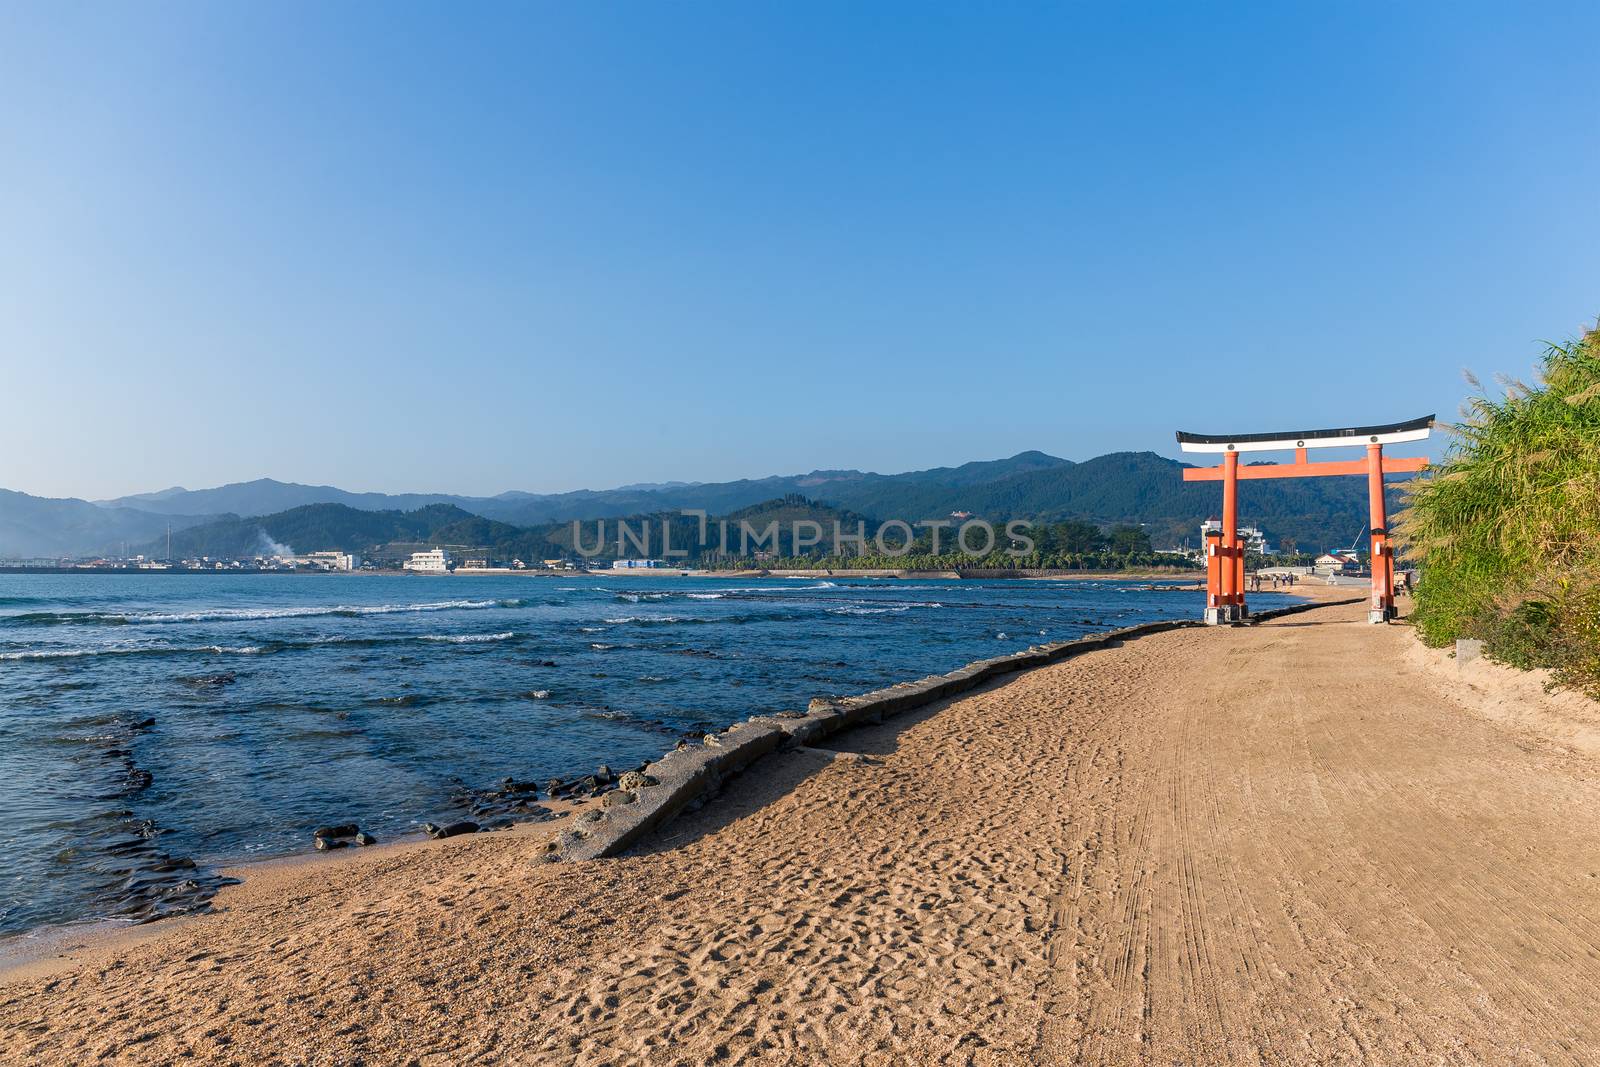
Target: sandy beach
1307, 841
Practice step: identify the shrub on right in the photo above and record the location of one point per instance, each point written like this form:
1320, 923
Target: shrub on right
1506, 528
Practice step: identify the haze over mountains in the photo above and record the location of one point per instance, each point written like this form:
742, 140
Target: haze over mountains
1123, 487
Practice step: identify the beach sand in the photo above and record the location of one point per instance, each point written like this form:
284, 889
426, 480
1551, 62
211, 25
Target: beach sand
1300, 842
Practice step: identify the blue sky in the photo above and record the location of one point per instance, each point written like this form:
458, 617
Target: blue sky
475, 247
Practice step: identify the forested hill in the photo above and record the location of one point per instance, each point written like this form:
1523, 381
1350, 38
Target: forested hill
322, 527
1127, 488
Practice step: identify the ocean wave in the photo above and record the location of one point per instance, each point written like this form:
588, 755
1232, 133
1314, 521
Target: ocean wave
647, 620
892, 610
705, 596
104, 618
467, 639
868, 607
634, 598
140, 650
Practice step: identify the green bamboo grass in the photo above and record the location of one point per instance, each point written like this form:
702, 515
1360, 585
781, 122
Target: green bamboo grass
1507, 528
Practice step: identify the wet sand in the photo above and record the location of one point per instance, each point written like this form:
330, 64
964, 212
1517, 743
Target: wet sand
1299, 842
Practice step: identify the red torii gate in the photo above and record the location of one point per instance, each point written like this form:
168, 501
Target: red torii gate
1225, 553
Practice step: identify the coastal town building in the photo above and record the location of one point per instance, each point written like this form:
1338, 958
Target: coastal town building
633, 564
1334, 562
329, 561
433, 561
1255, 540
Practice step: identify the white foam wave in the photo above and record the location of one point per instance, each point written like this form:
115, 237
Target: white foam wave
621, 619
870, 611
468, 639
250, 614
129, 650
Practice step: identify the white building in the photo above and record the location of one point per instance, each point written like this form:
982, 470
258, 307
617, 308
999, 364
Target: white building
633, 564
1254, 539
1334, 562
433, 561
330, 561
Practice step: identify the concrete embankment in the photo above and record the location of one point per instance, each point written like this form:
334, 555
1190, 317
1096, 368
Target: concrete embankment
692, 773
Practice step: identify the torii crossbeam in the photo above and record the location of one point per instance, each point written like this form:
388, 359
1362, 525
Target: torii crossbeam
1224, 551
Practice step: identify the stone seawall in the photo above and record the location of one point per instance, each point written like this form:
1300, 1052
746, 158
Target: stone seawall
693, 773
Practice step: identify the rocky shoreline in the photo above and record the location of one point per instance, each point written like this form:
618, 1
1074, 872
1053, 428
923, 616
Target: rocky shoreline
152, 884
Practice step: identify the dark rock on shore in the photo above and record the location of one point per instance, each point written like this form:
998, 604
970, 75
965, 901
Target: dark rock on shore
363, 838
455, 829
327, 844
590, 785
344, 829
617, 798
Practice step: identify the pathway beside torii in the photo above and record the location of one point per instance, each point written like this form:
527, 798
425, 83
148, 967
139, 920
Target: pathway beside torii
1224, 551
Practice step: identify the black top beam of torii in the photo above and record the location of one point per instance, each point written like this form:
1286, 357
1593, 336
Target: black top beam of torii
1389, 433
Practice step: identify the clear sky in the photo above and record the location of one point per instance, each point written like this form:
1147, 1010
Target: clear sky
469, 248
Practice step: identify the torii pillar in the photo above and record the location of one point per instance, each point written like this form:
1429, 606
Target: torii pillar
1225, 600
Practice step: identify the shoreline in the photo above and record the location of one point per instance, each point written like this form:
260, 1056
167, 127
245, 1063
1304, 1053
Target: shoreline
43, 950
21, 948
1012, 871
115, 907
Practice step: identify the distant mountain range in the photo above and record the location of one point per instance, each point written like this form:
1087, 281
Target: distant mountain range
48, 526
1124, 487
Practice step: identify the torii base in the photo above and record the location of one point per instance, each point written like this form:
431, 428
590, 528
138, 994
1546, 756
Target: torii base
1226, 614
